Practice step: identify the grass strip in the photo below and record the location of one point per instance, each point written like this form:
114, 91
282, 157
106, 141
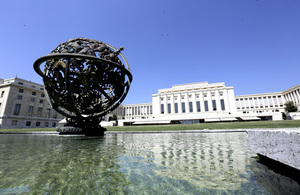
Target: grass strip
211, 126
201, 126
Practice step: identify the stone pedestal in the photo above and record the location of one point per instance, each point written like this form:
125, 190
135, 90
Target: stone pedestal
71, 130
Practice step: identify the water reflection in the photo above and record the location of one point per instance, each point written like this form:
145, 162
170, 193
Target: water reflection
199, 163
129, 164
273, 181
51, 164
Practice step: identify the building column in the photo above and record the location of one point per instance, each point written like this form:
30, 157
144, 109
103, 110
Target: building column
226, 102
165, 104
201, 99
273, 101
172, 104
187, 103
218, 100
209, 100
194, 102
179, 104
297, 95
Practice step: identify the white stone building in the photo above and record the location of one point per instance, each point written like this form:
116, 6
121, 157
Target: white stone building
205, 102
23, 105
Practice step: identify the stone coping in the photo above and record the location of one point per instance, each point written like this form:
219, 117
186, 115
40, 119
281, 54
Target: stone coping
178, 131
136, 132
281, 145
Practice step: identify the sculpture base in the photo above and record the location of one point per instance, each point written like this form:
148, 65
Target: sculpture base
70, 130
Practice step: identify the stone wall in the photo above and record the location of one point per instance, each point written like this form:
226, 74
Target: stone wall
282, 145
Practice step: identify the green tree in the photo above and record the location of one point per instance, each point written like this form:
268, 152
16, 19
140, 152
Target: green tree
290, 107
114, 117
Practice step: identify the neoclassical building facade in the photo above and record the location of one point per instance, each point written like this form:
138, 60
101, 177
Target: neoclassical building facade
208, 102
23, 105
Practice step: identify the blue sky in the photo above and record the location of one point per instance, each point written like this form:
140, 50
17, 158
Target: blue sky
252, 45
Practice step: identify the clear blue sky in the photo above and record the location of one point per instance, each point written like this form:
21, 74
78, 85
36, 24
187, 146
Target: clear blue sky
252, 45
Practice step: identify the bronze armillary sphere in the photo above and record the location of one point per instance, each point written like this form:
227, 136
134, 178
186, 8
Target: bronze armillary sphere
84, 80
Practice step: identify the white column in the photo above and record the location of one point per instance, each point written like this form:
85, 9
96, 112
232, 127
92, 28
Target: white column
179, 103
187, 107
209, 100
194, 102
172, 104
253, 103
295, 96
226, 102
273, 101
202, 108
159, 103
298, 95
165, 104
218, 100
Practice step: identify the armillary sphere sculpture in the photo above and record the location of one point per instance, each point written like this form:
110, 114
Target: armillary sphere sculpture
84, 80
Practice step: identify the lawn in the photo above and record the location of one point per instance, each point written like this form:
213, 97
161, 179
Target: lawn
201, 126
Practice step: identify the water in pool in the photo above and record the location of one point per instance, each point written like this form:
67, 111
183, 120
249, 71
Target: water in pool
179, 163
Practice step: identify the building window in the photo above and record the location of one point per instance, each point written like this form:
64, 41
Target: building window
183, 107
17, 109
214, 105
191, 106
21, 90
53, 124
32, 99
55, 115
37, 124
162, 108
42, 95
169, 108
48, 112
176, 107
198, 106
20, 83
30, 110
206, 105
41, 101
222, 104
20, 97
2, 94
46, 124
14, 123
28, 123
34, 93
40, 111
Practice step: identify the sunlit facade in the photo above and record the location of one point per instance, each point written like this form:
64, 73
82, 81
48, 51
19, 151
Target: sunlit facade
23, 105
209, 102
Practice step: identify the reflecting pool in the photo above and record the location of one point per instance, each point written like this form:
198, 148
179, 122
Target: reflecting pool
177, 163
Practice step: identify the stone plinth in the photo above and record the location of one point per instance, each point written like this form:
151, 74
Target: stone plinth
282, 145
